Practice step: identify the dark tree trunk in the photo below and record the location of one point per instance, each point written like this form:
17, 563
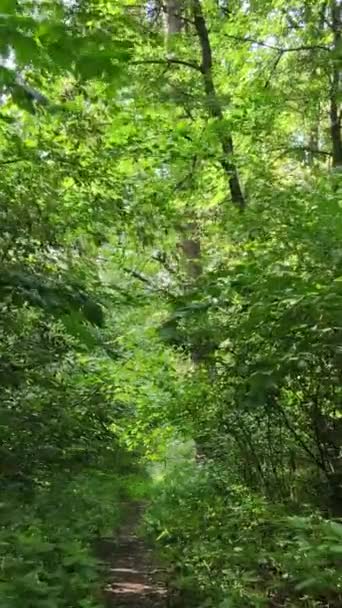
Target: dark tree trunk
335, 90
215, 108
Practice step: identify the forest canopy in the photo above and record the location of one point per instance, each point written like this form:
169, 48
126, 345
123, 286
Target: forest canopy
171, 271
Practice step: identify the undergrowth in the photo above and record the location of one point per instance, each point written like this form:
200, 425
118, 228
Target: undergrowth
228, 548
47, 540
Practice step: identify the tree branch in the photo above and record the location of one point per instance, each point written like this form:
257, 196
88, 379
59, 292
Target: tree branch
10, 161
168, 61
141, 277
274, 67
296, 434
304, 47
162, 259
308, 149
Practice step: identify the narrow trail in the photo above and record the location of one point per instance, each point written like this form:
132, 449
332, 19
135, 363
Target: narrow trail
134, 579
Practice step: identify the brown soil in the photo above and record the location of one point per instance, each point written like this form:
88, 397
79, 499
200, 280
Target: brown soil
134, 578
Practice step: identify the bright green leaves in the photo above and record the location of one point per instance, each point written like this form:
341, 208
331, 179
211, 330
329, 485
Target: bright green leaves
8, 6
7, 77
102, 59
106, 339
54, 40
233, 549
53, 296
42, 566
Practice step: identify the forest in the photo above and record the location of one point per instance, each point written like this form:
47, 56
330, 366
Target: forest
171, 300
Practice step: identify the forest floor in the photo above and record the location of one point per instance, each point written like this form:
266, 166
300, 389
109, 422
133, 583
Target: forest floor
134, 579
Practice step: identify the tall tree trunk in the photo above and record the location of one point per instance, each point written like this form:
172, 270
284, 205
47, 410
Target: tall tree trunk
191, 247
335, 89
313, 144
173, 17
214, 106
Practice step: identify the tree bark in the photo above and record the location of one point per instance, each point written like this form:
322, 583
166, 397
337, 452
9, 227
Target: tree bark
191, 247
335, 106
215, 108
173, 17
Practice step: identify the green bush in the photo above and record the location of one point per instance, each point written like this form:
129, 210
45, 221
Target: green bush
47, 545
231, 548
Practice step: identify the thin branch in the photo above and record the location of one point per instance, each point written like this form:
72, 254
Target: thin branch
162, 259
246, 39
308, 149
296, 434
317, 47
10, 161
294, 149
189, 176
168, 61
141, 277
274, 67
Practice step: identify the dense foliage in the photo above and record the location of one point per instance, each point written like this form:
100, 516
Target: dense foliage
171, 269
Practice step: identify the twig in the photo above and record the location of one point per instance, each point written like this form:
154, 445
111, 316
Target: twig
304, 47
10, 161
162, 259
141, 277
284, 151
168, 61
274, 67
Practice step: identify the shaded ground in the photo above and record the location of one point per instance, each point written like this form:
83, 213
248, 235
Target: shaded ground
134, 579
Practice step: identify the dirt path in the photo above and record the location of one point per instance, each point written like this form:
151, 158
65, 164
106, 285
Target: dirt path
134, 580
